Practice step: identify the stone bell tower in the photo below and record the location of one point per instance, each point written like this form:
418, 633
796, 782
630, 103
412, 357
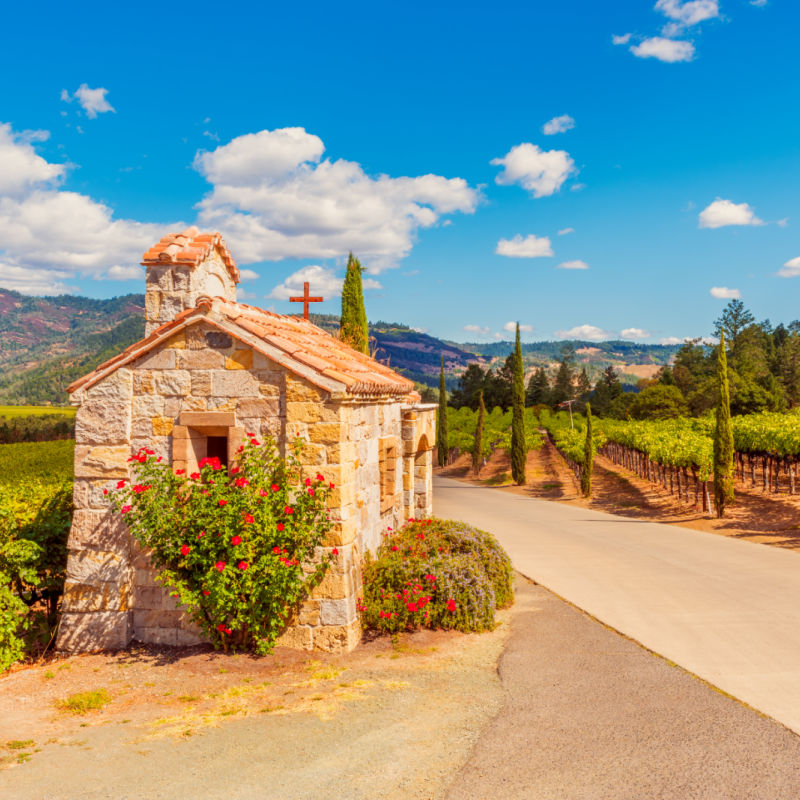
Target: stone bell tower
183, 267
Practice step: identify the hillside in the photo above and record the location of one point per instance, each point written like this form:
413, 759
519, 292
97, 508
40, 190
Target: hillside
47, 342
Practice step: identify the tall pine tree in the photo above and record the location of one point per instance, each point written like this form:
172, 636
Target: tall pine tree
441, 420
353, 327
477, 447
588, 456
518, 453
723, 435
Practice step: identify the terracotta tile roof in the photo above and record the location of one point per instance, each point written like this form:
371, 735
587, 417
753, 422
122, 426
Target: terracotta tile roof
294, 342
190, 247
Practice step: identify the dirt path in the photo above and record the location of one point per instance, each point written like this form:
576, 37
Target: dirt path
591, 715
755, 517
389, 720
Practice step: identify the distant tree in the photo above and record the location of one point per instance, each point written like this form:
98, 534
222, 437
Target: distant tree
538, 388
353, 326
665, 376
477, 447
518, 451
723, 435
498, 385
588, 455
659, 401
734, 320
606, 391
471, 382
564, 385
441, 420
583, 386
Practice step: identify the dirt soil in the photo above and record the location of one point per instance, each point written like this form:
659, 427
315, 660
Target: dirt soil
756, 517
191, 722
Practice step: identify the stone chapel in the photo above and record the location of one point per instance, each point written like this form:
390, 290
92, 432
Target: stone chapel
208, 370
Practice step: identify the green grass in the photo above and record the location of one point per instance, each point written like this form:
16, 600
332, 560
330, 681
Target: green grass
84, 702
10, 412
20, 744
43, 462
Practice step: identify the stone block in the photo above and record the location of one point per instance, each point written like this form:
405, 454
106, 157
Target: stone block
148, 598
162, 636
143, 382
297, 637
337, 612
269, 390
257, 408
200, 359
222, 404
156, 619
311, 412
342, 533
162, 426
189, 638
301, 391
175, 382
156, 359
201, 383
96, 597
95, 630
116, 386
203, 419
97, 566
309, 613
101, 462
159, 276
103, 530
325, 432
219, 340
337, 638
233, 383
148, 406
239, 359
334, 586
178, 341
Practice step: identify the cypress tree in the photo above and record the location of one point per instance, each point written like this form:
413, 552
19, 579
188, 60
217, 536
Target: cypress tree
477, 447
588, 456
723, 435
441, 420
518, 452
353, 327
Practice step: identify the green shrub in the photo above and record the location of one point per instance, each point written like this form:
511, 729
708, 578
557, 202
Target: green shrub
231, 546
83, 702
436, 574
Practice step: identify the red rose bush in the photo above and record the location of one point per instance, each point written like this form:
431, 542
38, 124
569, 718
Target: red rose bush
238, 548
436, 574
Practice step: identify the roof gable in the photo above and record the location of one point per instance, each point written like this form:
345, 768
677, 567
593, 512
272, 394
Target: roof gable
190, 248
293, 342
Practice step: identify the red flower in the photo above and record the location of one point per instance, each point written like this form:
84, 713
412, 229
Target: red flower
149, 452
288, 510
185, 550
206, 592
234, 471
280, 526
248, 518
412, 607
395, 547
310, 490
220, 565
275, 487
125, 509
213, 462
308, 481
194, 476
335, 551
121, 484
223, 502
243, 565
201, 534
332, 485
221, 628
139, 488
254, 442
180, 471
451, 605
240, 482
236, 540
320, 477
276, 550
263, 493
105, 491
251, 435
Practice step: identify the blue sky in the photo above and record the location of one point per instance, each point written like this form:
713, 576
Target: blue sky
669, 172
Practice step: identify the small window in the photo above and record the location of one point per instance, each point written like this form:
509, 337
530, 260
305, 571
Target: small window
217, 447
387, 461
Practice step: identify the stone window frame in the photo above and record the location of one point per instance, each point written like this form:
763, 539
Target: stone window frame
194, 425
388, 460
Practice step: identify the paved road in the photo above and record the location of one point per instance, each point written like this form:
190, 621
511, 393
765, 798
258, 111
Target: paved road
590, 715
726, 610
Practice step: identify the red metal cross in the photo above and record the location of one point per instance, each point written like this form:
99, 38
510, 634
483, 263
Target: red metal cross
305, 300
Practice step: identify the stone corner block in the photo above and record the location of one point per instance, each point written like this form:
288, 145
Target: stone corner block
95, 630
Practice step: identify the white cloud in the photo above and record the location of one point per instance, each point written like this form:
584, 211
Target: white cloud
419, 330
671, 340
48, 236
541, 172
782, 223
93, 101
248, 275
576, 264
529, 247
565, 231
689, 12
481, 331
758, 3
791, 269
511, 327
590, 332
275, 197
634, 333
243, 294
322, 281
623, 39
132, 273
558, 125
724, 212
668, 50
577, 187
724, 293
